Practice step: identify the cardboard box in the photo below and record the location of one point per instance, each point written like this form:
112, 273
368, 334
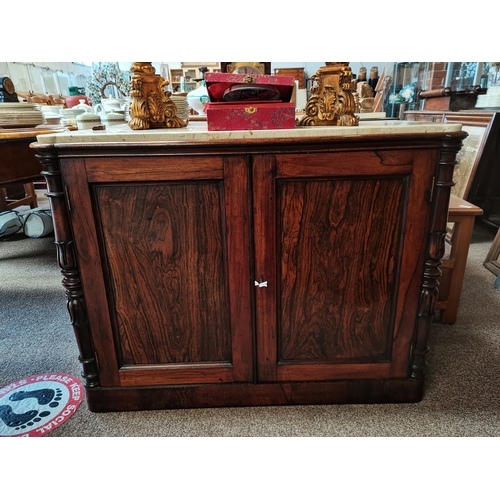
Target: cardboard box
250, 114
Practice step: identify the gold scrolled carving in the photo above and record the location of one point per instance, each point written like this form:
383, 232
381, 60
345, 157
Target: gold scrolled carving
142, 67
332, 101
155, 107
151, 106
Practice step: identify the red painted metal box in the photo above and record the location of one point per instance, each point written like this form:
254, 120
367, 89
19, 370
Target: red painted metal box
267, 101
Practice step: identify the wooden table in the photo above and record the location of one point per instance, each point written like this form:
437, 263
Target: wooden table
462, 214
18, 164
251, 268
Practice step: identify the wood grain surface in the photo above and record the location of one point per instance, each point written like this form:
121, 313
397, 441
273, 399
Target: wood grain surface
338, 273
254, 272
164, 248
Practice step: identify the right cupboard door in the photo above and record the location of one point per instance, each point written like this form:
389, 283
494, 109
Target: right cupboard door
340, 245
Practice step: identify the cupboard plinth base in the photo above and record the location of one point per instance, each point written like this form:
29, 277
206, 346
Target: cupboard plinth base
234, 395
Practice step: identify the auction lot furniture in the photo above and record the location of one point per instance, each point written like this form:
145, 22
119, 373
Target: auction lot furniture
462, 214
18, 165
240, 268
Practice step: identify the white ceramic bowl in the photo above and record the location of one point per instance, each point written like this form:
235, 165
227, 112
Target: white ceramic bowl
114, 119
51, 109
52, 118
71, 112
86, 121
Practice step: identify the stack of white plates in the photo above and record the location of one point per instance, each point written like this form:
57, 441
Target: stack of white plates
126, 110
51, 109
182, 106
51, 114
20, 114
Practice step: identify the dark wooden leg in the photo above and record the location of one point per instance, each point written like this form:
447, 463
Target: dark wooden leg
436, 248
31, 195
3, 200
67, 259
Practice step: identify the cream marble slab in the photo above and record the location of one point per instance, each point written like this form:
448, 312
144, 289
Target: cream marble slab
197, 131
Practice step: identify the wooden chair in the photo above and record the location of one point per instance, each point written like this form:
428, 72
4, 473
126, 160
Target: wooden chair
26, 197
462, 214
42, 99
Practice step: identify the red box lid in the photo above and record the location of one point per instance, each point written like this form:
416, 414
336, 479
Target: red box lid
217, 83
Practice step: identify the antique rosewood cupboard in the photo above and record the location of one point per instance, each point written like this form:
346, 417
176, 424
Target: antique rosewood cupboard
251, 268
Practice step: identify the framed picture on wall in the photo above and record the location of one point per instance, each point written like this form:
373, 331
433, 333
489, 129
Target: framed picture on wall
468, 159
476, 174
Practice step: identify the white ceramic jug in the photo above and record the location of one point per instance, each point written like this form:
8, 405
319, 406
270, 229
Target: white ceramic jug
109, 105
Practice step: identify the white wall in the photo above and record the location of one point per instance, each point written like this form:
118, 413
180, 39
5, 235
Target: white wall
55, 77
41, 77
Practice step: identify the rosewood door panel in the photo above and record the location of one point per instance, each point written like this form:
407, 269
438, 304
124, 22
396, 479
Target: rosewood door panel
170, 271
164, 250
340, 241
338, 268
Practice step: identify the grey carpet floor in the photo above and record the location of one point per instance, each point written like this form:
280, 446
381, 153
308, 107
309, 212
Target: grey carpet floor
462, 395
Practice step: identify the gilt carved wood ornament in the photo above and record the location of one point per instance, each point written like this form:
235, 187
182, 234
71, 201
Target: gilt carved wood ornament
332, 101
151, 105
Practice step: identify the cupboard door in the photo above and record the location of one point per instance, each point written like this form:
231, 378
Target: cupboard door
340, 243
173, 293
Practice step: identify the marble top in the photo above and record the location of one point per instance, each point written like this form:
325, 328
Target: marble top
197, 131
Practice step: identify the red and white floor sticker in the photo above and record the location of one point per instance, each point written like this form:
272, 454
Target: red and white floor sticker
36, 405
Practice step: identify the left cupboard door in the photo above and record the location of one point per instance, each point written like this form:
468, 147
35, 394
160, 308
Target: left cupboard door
163, 247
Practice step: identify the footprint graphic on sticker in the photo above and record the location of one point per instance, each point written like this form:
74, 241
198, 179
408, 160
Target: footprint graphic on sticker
27, 419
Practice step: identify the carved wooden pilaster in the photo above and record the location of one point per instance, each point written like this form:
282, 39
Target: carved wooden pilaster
151, 105
66, 257
332, 101
435, 253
